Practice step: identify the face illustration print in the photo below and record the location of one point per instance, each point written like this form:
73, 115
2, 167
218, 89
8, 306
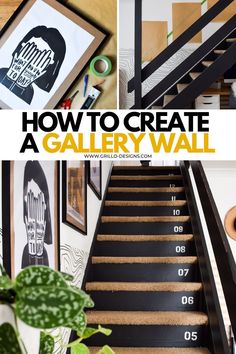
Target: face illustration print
36, 60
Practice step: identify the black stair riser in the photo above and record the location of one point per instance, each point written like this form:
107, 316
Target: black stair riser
150, 228
151, 272
146, 172
145, 183
151, 336
145, 249
146, 196
146, 210
146, 301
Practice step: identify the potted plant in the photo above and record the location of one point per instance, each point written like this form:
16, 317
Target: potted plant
44, 299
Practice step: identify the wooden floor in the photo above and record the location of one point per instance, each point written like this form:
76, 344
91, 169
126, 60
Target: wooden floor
7, 7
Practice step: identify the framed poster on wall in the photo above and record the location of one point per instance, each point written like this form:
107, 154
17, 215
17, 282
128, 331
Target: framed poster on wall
74, 195
43, 49
95, 177
30, 215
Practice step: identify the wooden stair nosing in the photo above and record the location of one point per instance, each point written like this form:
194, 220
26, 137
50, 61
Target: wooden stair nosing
130, 350
148, 203
207, 63
146, 177
174, 318
145, 189
145, 238
155, 287
144, 260
150, 219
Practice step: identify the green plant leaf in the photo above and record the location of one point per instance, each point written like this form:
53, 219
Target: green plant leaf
79, 348
39, 276
8, 340
46, 343
5, 282
79, 323
89, 332
48, 307
106, 350
67, 277
88, 301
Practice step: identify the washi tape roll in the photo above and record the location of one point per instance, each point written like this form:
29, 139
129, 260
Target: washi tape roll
101, 66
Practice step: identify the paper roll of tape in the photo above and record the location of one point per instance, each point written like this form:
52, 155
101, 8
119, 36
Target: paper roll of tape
101, 66
230, 223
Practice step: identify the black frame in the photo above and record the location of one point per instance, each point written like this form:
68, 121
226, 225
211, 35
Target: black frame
64, 198
90, 182
71, 8
6, 215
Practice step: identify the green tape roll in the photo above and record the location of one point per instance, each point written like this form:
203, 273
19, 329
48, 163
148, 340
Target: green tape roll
107, 65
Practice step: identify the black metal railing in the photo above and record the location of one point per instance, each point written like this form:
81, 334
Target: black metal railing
222, 252
142, 74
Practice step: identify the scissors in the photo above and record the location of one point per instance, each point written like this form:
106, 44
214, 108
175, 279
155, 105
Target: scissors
68, 102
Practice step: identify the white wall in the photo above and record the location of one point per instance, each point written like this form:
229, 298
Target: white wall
153, 10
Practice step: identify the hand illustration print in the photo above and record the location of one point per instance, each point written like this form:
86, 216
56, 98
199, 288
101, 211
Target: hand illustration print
36, 68
35, 223
21, 60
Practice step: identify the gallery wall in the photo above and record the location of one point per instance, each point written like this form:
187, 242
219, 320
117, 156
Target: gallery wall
74, 251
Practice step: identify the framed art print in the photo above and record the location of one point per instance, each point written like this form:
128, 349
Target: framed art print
95, 177
31, 219
43, 49
74, 195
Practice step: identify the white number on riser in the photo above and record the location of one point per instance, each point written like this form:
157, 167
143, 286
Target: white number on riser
172, 185
178, 229
183, 272
190, 336
180, 249
176, 212
173, 197
187, 300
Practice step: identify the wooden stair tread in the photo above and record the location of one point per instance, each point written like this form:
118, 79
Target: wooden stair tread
144, 260
145, 189
230, 40
106, 219
174, 318
219, 51
194, 75
146, 178
120, 350
129, 286
181, 87
146, 203
145, 238
168, 99
146, 168
207, 63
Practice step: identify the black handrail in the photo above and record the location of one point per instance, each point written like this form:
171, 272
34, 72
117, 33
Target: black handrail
223, 254
216, 323
196, 57
179, 42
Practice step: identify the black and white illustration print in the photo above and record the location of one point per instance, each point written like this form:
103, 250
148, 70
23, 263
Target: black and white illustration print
36, 60
39, 54
35, 216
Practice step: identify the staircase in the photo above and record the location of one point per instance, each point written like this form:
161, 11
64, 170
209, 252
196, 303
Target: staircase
196, 73
144, 275
177, 95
